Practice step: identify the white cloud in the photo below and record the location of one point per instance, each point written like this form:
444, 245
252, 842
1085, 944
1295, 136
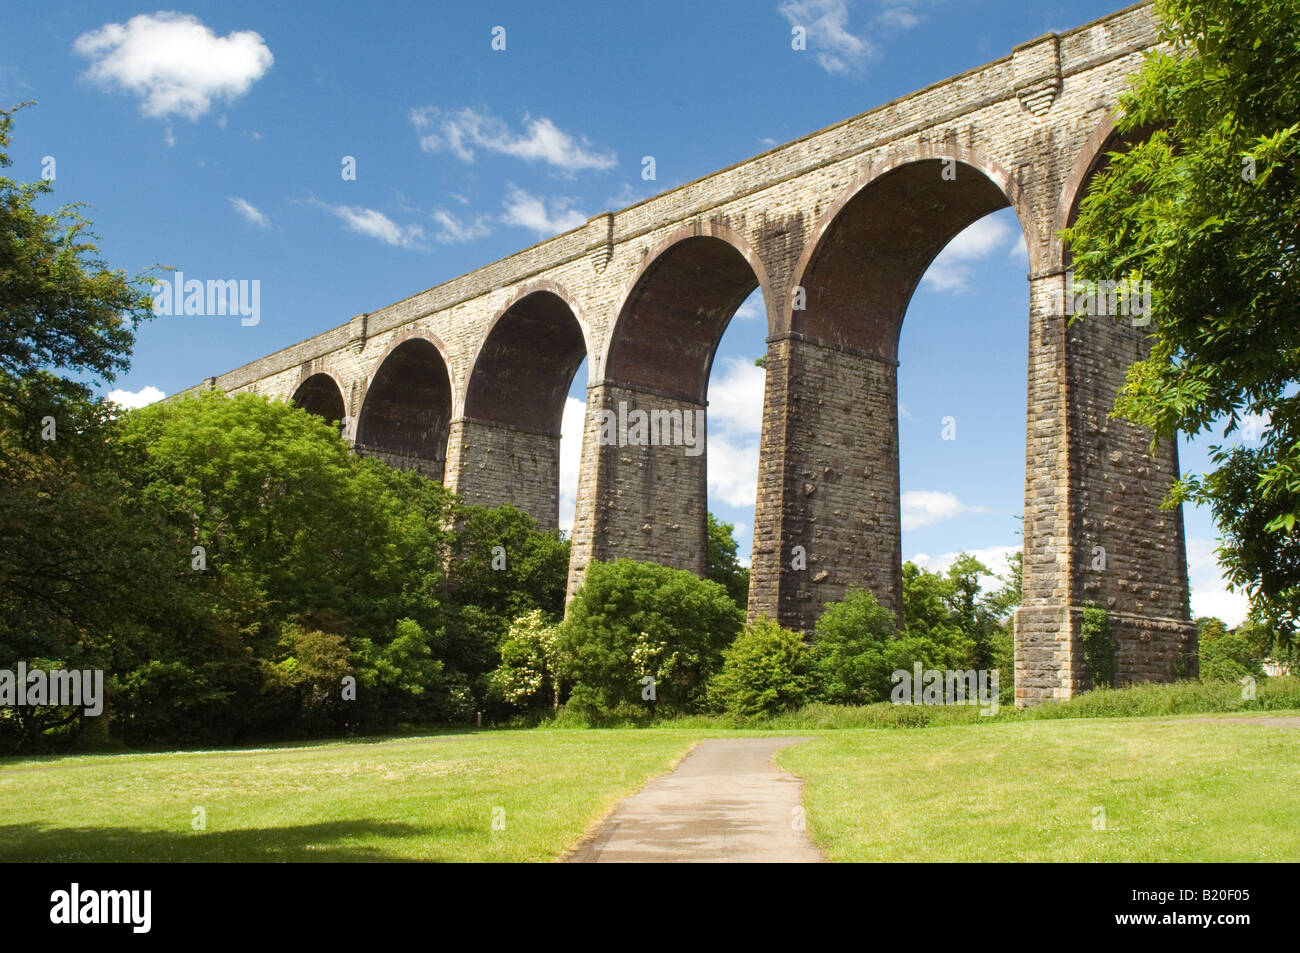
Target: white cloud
733, 470
249, 212
571, 425
1020, 251
736, 398
997, 558
136, 398
531, 212
735, 423
1210, 595
951, 271
926, 507
826, 22
452, 229
463, 131
375, 224
174, 63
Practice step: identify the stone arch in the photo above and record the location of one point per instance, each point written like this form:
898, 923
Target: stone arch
832, 370
677, 306
406, 411
648, 500
506, 445
906, 213
525, 364
320, 393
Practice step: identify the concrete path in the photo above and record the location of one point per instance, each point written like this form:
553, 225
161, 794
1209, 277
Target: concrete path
725, 802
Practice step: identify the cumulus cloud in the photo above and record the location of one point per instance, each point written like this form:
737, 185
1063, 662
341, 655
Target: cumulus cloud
735, 424
544, 217
733, 470
136, 398
250, 213
173, 63
736, 398
922, 508
952, 270
1210, 595
462, 131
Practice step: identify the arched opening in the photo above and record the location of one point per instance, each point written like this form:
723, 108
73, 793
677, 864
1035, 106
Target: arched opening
514, 407
320, 395
651, 421
406, 414
670, 325
833, 498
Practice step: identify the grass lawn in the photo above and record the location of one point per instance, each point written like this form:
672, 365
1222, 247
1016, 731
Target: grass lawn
1027, 791
997, 791
428, 798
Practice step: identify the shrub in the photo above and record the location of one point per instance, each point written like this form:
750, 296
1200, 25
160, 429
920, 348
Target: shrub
855, 650
633, 621
766, 670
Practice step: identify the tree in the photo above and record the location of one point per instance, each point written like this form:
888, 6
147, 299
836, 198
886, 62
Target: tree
75, 565
63, 309
765, 671
849, 647
1227, 656
1206, 207
645, 637
724, 566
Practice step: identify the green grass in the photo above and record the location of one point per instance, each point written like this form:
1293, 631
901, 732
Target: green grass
413, 799
948, 785
1028, 790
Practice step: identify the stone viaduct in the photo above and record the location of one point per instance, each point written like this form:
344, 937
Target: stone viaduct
466, 382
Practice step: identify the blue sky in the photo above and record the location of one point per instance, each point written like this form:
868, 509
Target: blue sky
211, 137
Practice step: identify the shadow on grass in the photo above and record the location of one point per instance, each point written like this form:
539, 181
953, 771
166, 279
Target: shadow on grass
326, 842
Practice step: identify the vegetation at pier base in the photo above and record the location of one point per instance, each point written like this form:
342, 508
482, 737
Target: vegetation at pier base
1207, 209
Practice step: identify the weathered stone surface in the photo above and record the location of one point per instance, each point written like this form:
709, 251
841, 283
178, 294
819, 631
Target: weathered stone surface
836, 229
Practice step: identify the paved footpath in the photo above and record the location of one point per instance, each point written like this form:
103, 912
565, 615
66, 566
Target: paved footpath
725, 802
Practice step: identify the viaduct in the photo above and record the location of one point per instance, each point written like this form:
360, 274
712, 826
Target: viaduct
466, 382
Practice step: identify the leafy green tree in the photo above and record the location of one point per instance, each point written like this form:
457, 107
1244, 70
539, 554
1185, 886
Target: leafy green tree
1228, 656
502, 566
633, 621
765, 671
74, 564
855, 647
1206, 207
724, 565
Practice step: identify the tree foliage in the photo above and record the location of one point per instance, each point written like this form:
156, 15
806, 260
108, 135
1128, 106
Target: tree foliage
724, 564
767, 670
1206, 207
634, 621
